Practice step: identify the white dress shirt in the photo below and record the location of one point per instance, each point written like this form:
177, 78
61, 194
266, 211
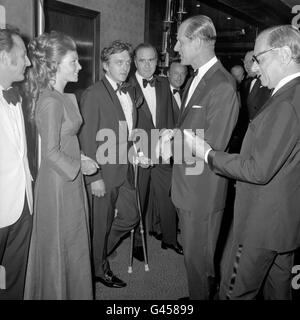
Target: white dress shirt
285, 80
15, 117
201, 72
150, 96
126, 103
176, 96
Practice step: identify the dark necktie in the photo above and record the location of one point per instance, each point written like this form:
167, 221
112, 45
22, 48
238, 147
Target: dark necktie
122, 88
11, 95
175, 91
151, 82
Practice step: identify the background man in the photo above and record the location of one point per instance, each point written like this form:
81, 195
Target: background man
15, 177
176, 74
209, 102
103, 106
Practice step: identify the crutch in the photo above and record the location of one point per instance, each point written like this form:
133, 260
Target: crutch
136, 170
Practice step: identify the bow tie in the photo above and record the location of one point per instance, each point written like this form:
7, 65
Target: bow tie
175, 91
11, 95
122, 88
151, 82
195, 73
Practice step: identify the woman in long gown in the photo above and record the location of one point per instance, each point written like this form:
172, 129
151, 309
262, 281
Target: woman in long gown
59, 257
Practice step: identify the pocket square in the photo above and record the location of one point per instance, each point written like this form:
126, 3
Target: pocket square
197, 107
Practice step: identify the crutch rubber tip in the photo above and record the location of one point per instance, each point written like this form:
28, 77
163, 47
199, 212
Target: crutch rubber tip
147, 267
129, 269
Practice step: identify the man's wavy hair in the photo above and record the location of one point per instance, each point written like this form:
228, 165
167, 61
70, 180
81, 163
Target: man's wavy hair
45, 53
116, 46
201, 27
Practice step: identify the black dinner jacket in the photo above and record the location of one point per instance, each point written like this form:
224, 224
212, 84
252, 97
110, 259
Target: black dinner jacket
101, 109
164, 110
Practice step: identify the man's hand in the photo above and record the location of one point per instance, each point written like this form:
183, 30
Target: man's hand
196, 144
164, 146
88, 165
98, 188
143, 161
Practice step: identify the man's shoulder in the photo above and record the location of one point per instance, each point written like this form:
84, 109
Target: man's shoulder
222, 76
95, 87
132, 80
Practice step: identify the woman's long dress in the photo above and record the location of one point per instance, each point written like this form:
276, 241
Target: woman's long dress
59, 257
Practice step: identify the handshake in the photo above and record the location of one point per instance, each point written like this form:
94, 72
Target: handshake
194, 144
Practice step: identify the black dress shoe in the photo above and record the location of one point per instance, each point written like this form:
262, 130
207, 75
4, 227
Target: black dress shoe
138, 253
110, 280
157, 236
177, 248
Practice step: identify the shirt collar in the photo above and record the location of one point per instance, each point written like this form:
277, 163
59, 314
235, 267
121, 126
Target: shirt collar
172, 87
112, 82
284, 81
203, 69
140, 78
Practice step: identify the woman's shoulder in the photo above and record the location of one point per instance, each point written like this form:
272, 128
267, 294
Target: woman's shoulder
49, 98
49, 94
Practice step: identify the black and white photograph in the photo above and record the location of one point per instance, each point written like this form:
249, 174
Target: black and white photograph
150, 153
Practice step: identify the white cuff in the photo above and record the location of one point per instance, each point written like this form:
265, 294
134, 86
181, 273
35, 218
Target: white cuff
206, 155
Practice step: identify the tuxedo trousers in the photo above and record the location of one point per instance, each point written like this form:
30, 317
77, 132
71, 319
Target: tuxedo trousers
158, 178
109, 225
14, 247
199, 240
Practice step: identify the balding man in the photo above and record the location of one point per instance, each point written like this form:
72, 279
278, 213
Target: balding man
176, 74
266, 229
210, 103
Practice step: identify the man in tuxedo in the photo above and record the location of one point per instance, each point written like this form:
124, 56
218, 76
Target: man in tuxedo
176, 74
109, 111
155, 113
266, 228
15, 178
209, 102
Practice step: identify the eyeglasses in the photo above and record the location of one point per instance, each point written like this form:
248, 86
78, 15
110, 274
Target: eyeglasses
254, 57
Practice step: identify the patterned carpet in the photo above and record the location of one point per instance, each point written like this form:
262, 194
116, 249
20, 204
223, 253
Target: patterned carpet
166, 279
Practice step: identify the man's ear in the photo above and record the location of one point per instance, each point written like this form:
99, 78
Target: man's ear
286, 54
105, 66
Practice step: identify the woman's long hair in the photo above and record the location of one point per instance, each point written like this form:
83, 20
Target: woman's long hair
45, 53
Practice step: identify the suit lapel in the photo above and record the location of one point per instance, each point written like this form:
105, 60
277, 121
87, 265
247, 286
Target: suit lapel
159, 94
200, 90
287, 86
114, 99
133, 96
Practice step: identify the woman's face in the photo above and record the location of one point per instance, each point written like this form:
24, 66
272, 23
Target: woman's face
69, 67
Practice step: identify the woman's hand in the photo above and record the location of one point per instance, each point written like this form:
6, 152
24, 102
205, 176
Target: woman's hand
88, 165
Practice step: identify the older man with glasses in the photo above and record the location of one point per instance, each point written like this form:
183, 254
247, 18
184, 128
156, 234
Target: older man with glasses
266, 212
